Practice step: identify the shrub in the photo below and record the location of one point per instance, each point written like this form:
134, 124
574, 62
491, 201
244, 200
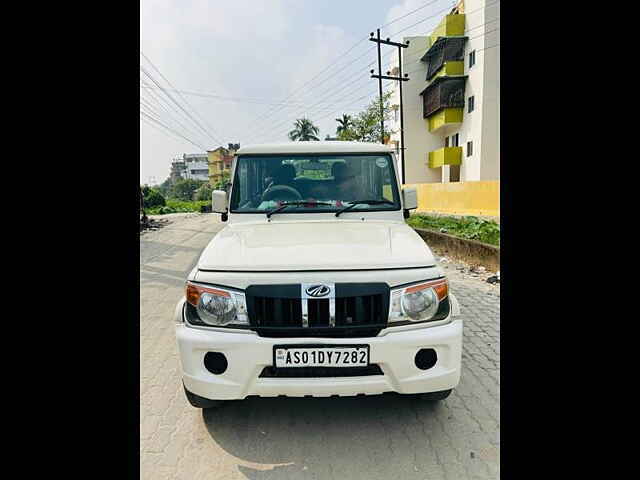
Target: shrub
204, 193
472, 228
184, 189
152, 198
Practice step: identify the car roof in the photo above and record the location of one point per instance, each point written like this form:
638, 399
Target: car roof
315, 147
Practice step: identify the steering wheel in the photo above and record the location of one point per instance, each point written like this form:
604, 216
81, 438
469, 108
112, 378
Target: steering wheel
279, 191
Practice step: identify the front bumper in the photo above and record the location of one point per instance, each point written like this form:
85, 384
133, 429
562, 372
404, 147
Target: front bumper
247, 355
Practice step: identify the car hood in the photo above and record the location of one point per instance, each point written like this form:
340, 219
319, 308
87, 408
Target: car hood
315, 245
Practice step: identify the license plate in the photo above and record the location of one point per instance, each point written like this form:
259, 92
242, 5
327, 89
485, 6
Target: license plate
351, 356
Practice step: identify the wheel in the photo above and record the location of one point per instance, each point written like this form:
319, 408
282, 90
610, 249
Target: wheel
435, 396
201, 402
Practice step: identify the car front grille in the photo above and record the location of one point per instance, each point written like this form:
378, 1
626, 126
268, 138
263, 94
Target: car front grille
360, 310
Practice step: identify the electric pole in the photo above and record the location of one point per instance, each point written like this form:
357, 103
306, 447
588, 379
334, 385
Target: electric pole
388, 76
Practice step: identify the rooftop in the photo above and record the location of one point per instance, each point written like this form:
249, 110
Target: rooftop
315, 147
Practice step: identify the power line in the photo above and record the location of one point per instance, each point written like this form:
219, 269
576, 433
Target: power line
339, 101
196, 122
171, 130
184, 99
265, 116
308, 111
410, 13
163, 101
155, 110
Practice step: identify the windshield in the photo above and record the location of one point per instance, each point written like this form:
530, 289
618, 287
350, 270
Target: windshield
262, 183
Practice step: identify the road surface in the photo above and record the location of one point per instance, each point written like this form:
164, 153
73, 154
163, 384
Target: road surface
379, 437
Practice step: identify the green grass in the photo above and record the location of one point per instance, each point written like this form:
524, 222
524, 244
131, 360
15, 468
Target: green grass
177, 206
473, 228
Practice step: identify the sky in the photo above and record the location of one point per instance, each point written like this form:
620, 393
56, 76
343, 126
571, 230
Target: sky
244, 70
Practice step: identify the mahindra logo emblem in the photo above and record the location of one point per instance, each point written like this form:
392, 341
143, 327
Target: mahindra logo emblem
318, 291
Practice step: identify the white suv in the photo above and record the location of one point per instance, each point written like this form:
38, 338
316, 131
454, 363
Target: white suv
316, 286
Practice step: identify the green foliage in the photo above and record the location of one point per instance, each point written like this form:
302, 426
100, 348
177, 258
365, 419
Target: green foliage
184, 189
152, 197
473, 228
222, 183
166, 187
304, 130
204, 192
344, 123
365, 126
178, 206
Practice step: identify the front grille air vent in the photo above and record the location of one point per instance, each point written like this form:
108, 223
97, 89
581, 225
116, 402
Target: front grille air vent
361, 310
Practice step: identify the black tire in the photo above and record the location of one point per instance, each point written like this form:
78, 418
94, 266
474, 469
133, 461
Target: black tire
435, 396
201, 402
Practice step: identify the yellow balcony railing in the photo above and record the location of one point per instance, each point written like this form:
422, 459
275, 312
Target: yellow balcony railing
449, 26
445, 156
446, 116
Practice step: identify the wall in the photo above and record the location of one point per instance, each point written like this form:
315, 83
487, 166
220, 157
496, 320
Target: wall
459, 198
416, 136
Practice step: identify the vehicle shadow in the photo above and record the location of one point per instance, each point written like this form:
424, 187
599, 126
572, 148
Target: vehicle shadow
381, 436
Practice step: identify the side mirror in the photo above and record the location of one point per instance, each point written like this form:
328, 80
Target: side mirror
219, 203
409, 198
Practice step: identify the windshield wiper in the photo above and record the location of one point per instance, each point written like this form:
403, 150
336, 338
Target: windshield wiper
365, 202
298, 203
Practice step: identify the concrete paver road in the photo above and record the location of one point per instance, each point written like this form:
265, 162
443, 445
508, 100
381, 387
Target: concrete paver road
378, 437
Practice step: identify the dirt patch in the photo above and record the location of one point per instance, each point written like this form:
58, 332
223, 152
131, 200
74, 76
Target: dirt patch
462, 249
152, 224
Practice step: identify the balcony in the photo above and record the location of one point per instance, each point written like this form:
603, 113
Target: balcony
450, 25
446, 50
443, 101
445, 156
447, 116
449, 69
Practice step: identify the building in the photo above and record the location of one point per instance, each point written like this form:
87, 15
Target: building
178, 169
220, 161
197, 167
452, 100
192, 166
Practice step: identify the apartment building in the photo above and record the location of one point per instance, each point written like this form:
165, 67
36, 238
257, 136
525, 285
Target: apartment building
220, 161
452, 100
191, 166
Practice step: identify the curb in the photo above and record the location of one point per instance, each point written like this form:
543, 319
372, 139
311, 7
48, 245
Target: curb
470, 251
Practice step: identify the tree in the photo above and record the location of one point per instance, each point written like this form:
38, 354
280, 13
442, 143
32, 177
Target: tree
204, 192
344, 123
151, 197
166, 187
304, 130
365, 126
184, 189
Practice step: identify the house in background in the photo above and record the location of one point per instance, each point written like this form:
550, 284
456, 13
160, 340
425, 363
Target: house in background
191, 166
196, 166
220, 161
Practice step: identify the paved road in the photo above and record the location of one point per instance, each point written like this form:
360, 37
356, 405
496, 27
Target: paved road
379, 437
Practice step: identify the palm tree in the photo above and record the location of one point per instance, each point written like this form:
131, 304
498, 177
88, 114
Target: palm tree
344, 123
304, 130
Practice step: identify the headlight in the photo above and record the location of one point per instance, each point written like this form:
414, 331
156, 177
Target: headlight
423, 302
215, 307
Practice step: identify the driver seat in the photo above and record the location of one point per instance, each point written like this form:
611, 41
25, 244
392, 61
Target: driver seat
284, 175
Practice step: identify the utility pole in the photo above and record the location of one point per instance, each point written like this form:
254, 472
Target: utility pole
388, 76
380, 89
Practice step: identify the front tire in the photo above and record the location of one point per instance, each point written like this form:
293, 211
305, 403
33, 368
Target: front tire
435, 396
201, 402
